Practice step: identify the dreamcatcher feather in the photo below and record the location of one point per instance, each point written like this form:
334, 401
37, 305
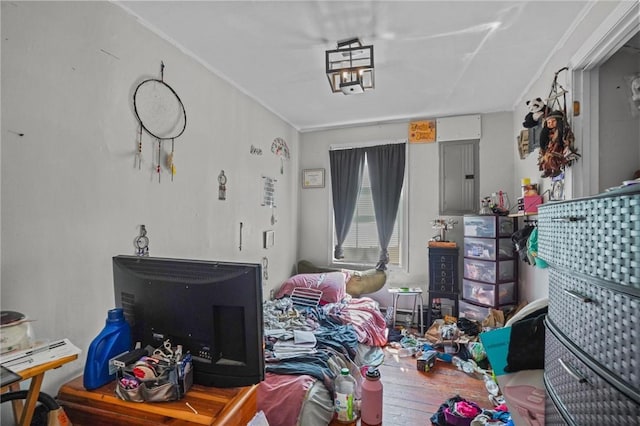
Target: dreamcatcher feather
557, 141
161, 114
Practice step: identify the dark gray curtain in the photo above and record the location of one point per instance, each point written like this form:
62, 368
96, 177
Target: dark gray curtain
346, 178
386, 172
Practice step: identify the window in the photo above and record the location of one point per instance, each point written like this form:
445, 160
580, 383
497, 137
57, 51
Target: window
361, 245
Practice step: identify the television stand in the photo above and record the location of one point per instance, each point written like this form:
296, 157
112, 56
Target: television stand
214, 406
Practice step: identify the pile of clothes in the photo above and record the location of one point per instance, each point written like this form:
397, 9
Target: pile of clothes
457, 411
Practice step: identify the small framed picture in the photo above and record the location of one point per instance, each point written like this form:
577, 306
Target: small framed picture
313, 178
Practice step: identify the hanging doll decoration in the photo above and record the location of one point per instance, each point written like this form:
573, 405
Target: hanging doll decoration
557, 149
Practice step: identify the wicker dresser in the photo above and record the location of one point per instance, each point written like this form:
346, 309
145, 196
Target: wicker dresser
592, 362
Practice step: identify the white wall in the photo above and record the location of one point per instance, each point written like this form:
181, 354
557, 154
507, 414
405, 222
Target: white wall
71, 198
496, 172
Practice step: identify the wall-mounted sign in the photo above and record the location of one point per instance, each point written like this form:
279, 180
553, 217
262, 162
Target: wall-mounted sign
422, 131
268, 191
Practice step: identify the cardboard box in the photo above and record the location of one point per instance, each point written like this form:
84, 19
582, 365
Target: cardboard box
426, 362
529, 203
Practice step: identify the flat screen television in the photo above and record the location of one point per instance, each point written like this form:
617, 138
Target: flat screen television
213, 309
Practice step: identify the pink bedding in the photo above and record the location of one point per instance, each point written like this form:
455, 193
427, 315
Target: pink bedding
365, 317
281, 397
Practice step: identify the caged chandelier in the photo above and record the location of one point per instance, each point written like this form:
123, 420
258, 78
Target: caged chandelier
350, 67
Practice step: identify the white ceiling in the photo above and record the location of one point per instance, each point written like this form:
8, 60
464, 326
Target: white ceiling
432, 58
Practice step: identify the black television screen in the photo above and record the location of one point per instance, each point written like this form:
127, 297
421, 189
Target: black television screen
213, 309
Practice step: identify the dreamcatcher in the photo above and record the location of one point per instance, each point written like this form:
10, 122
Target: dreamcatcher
161, 114
280, 148
557, 150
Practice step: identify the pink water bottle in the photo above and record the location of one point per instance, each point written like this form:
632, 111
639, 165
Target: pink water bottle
371, 398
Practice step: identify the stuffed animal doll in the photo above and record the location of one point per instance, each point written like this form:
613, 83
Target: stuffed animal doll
537, 109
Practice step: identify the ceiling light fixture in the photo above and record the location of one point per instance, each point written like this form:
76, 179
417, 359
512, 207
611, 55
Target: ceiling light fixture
350, 67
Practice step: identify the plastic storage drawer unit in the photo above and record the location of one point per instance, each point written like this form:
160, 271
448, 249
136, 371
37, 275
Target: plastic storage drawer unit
489, 272
486, 293
472, 312
488, 226
482, 248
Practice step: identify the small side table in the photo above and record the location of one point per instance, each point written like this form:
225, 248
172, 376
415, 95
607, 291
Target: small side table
417, 303
23, 411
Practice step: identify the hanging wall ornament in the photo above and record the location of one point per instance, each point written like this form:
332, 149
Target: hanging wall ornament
222, 186
161, 114
557, 148
141, 242
279, 147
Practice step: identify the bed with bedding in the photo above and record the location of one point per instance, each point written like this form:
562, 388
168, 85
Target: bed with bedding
308, 341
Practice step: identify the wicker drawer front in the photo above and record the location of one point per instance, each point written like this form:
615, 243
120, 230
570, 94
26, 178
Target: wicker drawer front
599, 237
591, 400
607, 328
552, 416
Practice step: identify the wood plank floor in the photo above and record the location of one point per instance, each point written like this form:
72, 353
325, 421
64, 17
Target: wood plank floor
411, 397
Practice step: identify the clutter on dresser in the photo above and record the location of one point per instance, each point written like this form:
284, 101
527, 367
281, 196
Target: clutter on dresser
154, 375
530, 200
497, 203
442, 225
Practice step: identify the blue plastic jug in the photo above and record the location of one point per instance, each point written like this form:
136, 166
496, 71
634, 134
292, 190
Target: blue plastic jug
113, 340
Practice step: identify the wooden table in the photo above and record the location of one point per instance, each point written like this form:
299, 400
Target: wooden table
23, 412
211, 406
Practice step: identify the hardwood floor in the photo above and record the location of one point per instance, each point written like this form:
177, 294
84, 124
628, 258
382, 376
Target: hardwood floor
411, 397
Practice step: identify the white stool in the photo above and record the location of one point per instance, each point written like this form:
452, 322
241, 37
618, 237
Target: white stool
417, 303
